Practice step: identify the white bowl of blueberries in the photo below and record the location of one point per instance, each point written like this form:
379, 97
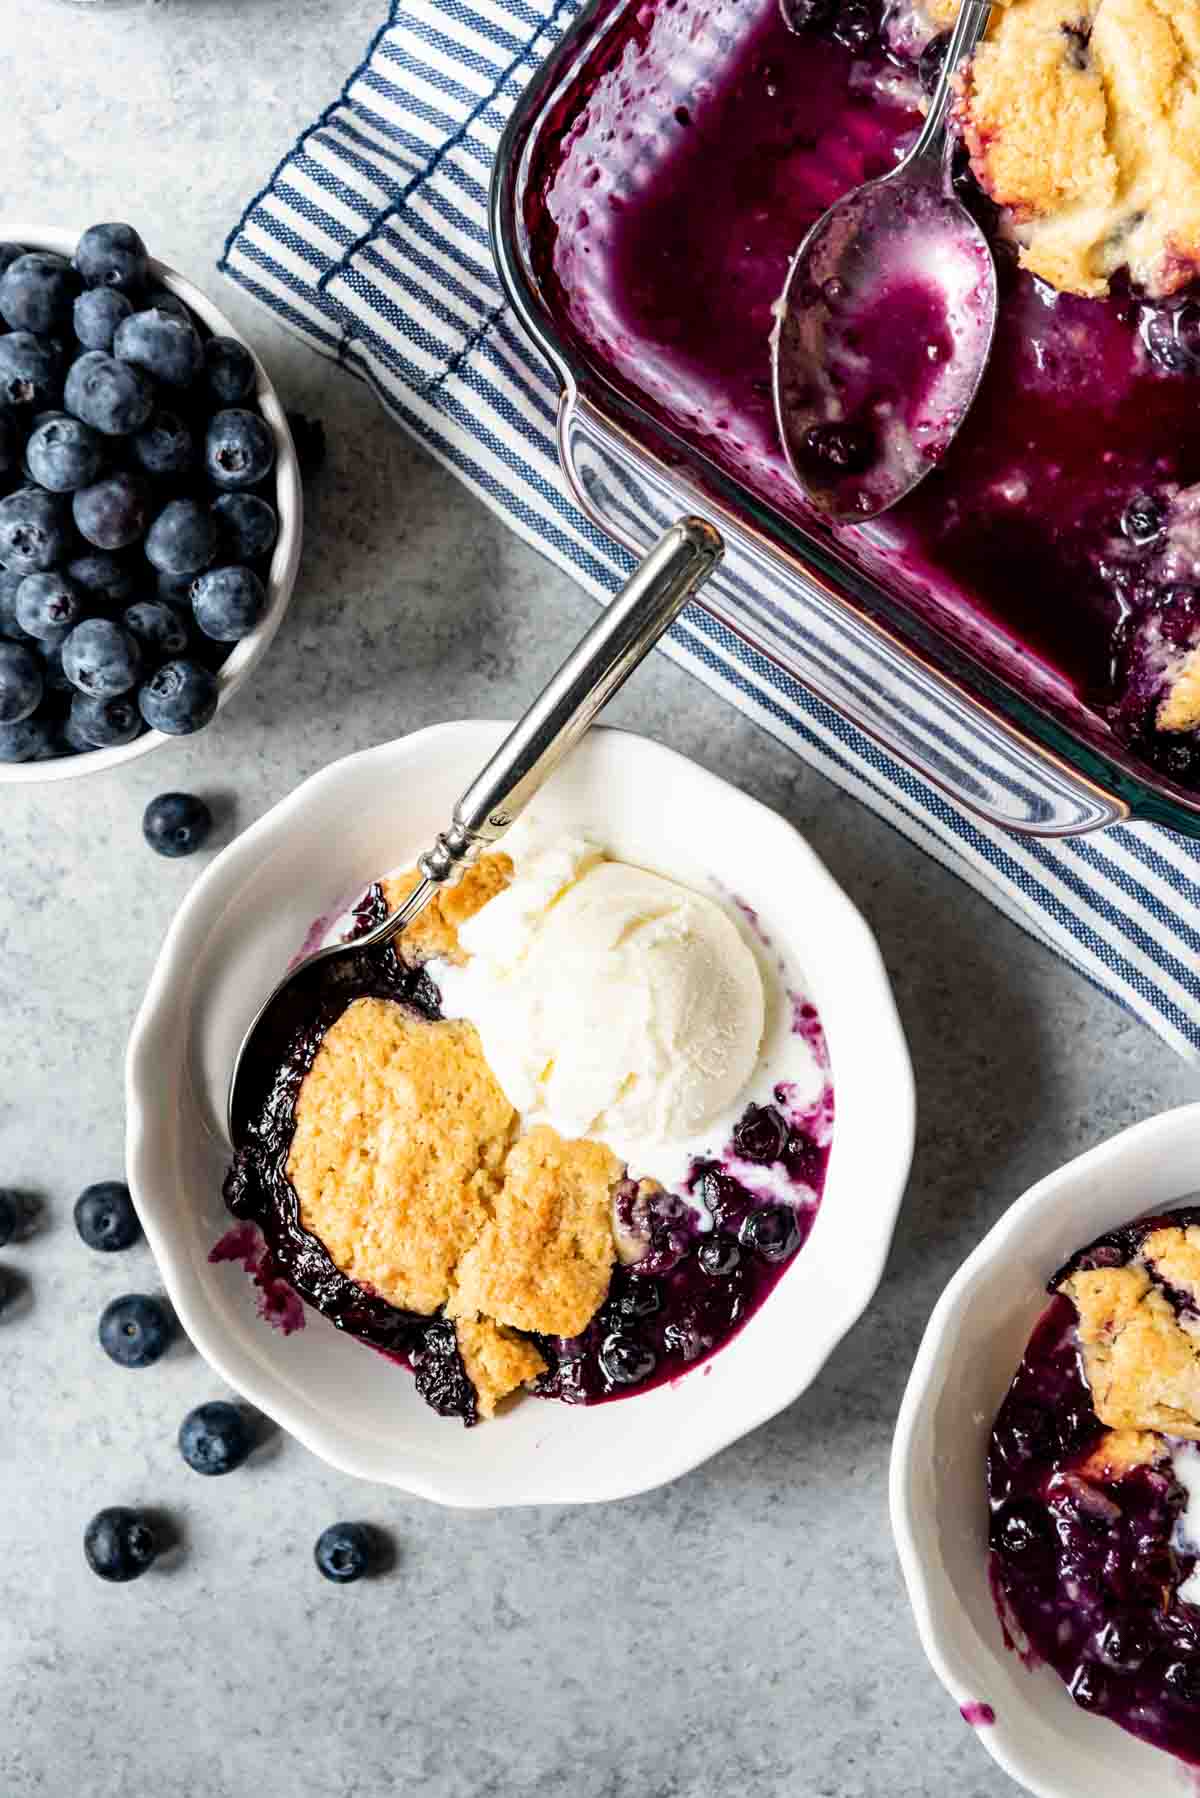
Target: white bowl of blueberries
150, 503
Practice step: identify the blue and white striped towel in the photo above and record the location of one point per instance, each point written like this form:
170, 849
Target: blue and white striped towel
371, 240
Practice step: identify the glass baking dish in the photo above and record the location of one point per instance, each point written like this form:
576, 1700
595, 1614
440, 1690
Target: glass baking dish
942, 691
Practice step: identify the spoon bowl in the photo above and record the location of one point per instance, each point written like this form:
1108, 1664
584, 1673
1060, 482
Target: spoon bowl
885, 324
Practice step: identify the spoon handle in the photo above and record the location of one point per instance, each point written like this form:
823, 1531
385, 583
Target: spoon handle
970, 28
630, 626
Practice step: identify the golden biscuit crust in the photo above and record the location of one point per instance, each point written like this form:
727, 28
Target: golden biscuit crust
401, 1136
496, 1360
1141, 1360
544, 1260
1119, 1452
435, 932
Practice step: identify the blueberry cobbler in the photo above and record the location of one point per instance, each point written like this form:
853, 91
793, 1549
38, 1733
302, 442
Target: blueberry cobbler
1094, 1483
1060, 538
565, 1135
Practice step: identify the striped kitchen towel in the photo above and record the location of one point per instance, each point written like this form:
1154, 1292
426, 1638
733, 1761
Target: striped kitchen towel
371, 240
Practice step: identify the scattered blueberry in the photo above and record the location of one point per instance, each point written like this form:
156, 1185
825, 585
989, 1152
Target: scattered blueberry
21, 683
228, 603
30, 372
161, 299
162, 345
229, 370
1143, 519
9, 253
30, 740
101, 658
157, 628
247, 524
113, 513
105, 1217
37, 292
119, 1544
176, 824
771, 1232
107, 580
105, 723
308, 435
344, 1552
183, 538
134, 1330
63, 453
623, 1362
48, 605
179, 697
166, 446
214, 1438
98, 312
112, 255
35, 531
11, 1213
239, 450
112, 396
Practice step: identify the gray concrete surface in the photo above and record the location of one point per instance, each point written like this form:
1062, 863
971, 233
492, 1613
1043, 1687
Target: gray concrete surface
739, 1635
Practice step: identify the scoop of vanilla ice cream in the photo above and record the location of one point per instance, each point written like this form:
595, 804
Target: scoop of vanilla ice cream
611, 1002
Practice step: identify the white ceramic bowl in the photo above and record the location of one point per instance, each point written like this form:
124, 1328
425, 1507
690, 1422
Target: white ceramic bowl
234, 935
285, 559
970, 1351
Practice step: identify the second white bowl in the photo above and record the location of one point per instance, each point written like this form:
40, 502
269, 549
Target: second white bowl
236, 932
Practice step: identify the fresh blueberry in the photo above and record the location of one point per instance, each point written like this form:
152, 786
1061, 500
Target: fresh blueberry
112, 396
771, 1232
37, 292
112, 255
229, 371
228, 603
158, 628
98, 312
161, 299
247, 524
175, 589
929, 68
239, 450
179, 697
344, 1552
12, 1212
119, 1544
1021, 1532
54, 675
134, 1330
31, 740
48, 605
104, 723
63, 453
718, 1256
183, 538
166, 446
162, 345
1143, 519
35, 530
308, 436
104, 578
176, 824
101, 658
624, 1363
105, 1217
9, 253
30, 372
214, 1438
21, 683
10, 586
113, 513
761, 1134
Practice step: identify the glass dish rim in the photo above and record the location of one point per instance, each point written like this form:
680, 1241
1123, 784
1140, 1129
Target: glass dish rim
1132, 791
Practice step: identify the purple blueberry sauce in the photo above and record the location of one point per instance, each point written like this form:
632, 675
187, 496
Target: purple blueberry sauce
1086, 1570
670, 187
979, 1716
690, 1292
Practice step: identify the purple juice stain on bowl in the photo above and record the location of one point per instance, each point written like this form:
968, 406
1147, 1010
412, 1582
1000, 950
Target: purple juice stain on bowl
278, 1304
977, 1714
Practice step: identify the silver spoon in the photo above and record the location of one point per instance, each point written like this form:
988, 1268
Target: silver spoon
885, 323
626, 630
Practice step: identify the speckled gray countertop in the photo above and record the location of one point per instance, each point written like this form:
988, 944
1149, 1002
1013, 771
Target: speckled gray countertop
739, 1634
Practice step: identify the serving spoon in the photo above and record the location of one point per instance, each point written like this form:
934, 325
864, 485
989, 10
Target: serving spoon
626, 630
885, 323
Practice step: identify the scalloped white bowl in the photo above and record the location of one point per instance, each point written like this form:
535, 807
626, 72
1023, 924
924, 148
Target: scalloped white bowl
234, 935
285, 559
971, 1348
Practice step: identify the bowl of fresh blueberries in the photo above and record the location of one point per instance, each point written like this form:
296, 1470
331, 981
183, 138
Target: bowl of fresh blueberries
150, 503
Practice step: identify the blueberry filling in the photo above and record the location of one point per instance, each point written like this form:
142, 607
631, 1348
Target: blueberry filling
692, 1289
1087, 1568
